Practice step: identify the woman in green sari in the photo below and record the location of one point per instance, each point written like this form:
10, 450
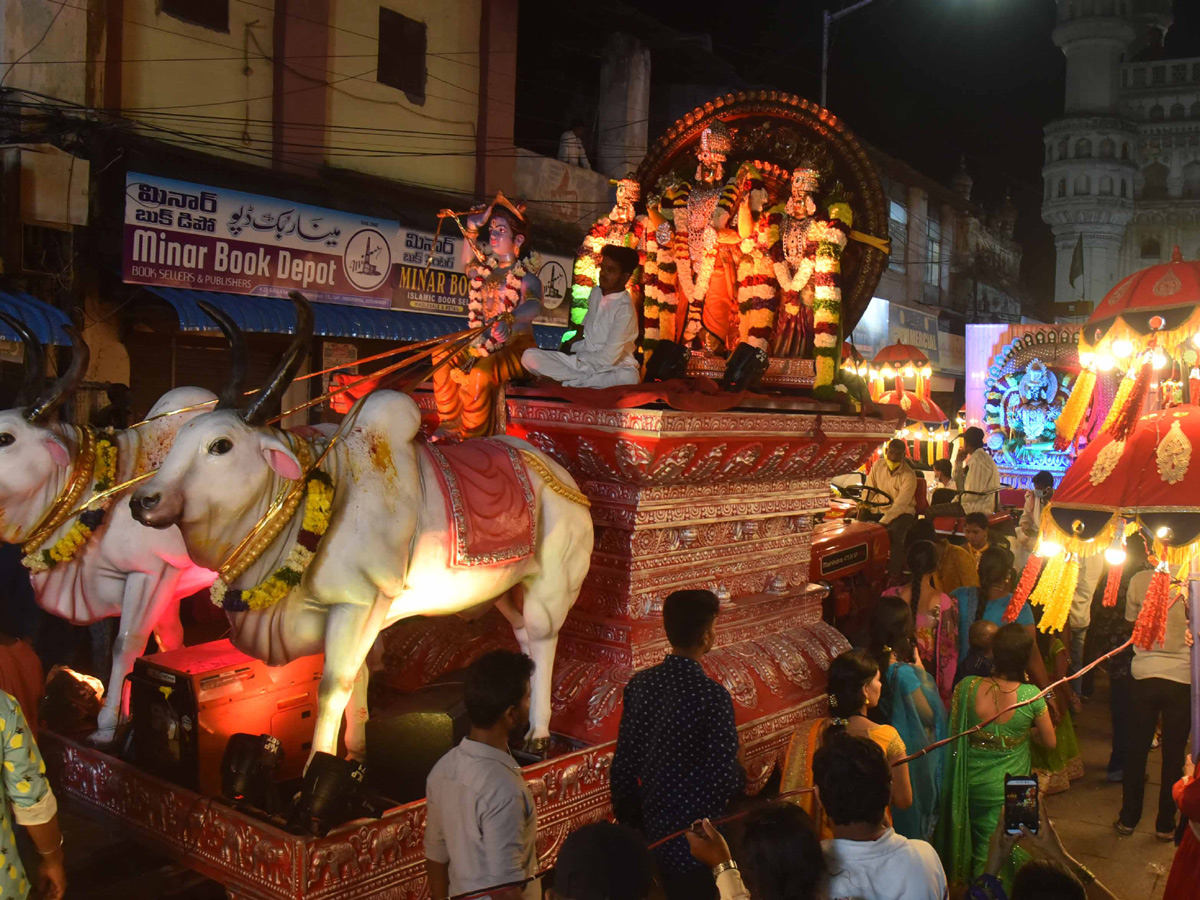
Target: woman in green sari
910, 703
973, 790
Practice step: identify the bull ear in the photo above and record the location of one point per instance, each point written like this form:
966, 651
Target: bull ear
281, 459
57, 449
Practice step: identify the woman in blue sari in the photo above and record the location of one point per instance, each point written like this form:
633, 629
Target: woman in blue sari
910, 704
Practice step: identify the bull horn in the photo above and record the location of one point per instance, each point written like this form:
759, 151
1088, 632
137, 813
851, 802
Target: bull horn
231, 394
35, 362
258, 408
66, 384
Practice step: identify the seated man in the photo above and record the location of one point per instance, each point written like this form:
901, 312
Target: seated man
894, 477
604, 356
866, 858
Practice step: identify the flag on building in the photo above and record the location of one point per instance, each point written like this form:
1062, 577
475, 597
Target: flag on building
1076, 262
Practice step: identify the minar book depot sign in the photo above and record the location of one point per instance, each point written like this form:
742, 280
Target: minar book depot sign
184, 235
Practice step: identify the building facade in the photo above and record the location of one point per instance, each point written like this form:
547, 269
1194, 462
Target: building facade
1122, 167
952, 262
370, 115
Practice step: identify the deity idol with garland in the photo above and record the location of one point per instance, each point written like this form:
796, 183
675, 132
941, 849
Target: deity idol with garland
805, 248
697, 252
503, 289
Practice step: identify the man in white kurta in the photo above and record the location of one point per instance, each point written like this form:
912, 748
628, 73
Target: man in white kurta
976, 474
603, 357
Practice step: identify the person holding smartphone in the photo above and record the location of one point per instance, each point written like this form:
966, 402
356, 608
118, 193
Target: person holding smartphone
1052, 872
973, 788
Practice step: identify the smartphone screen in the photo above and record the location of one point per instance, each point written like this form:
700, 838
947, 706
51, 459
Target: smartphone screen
1020, 803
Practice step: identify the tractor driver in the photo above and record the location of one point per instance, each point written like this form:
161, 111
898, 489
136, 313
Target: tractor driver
895, 477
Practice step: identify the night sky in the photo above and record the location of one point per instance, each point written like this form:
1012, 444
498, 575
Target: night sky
927, 81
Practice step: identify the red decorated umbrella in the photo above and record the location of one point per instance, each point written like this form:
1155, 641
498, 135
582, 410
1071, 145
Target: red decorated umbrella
1117, 486
1149, 480
915, 407
901, 355
1141, 326
899, 361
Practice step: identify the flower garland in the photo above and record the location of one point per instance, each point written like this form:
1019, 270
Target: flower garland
827, 297
317, 514
756, 288
661, 294
510, 295
104, 476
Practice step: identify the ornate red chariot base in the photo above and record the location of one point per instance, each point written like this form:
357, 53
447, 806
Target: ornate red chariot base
679, 499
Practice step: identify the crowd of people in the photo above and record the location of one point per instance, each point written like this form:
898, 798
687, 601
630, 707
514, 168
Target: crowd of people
898, 793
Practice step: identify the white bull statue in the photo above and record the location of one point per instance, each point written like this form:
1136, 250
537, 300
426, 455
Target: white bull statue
114, 568
384, 555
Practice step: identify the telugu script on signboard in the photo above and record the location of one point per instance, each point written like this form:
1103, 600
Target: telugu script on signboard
179, 234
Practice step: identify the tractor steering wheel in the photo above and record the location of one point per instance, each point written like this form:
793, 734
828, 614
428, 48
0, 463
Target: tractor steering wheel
859, 494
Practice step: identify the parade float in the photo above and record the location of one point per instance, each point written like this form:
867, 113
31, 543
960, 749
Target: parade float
757, 240
1023, 383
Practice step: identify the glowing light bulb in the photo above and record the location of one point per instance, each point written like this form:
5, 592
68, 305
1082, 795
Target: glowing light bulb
887, 372
1122, 349
1163, 533
1086, 358
1196, 338
909, 372
1105, 363
1048, 549
1159, 360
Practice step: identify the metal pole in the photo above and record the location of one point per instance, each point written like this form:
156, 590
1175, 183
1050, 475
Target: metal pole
828, 19
825, 58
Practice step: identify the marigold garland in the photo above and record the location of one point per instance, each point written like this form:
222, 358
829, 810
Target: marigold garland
1071, 418
1150, 629
1045, 586
827, 299
1058, 603
317, 514
1127, 404
1025, 587
104, 476
1112, 586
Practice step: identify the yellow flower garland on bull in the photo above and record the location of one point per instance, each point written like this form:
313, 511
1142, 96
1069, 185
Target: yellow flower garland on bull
318, 506
104, 476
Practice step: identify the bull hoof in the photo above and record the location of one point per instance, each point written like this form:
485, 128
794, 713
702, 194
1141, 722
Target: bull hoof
537, 746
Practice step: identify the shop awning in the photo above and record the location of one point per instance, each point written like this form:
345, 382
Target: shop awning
274, 316
45, 321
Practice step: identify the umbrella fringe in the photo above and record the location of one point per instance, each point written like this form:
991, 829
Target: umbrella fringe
1170, 342
1072, 543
